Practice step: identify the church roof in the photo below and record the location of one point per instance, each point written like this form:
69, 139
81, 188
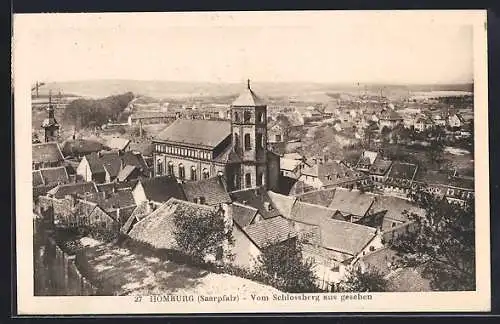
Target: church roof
203, 133
46, 152
248, 99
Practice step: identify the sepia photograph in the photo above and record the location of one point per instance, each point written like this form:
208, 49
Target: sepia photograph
251, 161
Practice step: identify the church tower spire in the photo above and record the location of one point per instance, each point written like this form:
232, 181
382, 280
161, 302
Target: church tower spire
49, 124
249, 140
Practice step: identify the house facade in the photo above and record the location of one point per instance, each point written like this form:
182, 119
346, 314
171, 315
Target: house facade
330, 174
455, 121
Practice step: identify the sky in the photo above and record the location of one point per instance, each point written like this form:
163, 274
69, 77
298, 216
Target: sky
231, 47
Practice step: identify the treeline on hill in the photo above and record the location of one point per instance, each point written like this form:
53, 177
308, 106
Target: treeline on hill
95, 112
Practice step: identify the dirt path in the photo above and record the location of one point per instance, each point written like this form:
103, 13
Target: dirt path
122, 272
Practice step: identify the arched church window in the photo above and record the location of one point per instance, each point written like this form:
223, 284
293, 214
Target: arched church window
248, 180
193, 173
235, 180
259, 179
205, 174
260, 117
159, 167
248, 146
247, 116
170, 168
236, 116
259, 141
182, 173
236, 141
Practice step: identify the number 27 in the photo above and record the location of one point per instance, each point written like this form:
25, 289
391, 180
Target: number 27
137, 299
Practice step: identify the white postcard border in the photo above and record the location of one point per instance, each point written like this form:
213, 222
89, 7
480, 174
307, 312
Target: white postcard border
380, 302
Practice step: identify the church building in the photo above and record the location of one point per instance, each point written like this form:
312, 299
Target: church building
235, 150
50, 124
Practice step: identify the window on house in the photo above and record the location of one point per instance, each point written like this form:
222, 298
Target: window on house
182, 174
372, 248
248, 147
248, 180
202, 200
236, 117
259, 179
205, 174
247, 116
193, 173
278, 137
170, 169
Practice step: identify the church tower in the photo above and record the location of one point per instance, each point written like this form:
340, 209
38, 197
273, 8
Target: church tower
249, 140
50, 124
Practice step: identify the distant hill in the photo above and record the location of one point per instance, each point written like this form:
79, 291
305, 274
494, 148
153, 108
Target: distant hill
175, 89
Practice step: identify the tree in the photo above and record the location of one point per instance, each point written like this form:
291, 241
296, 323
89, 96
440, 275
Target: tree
81, 112
201, 233
442, 242
435, 152
386, 134
359, 280
284, 261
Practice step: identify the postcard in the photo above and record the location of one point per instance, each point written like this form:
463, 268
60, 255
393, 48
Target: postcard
251, 162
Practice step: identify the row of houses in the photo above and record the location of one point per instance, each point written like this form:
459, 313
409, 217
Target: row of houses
372, 172
400, 178
338, 232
